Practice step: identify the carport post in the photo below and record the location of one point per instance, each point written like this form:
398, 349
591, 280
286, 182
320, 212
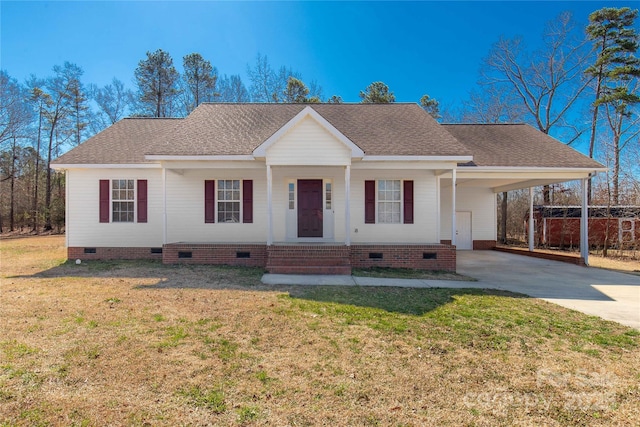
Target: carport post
530, 219
584, 224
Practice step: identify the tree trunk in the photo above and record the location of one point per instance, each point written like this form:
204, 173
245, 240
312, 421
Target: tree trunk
503, 220
12, 202
616, 168
546, 194
47, 202
37, 177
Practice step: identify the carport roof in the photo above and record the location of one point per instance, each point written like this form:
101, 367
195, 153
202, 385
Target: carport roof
517, 145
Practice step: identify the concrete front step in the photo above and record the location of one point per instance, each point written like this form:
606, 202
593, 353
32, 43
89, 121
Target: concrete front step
309, 269
317, 261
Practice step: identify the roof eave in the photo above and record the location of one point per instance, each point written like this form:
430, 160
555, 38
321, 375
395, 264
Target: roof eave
66, 166
225, 157
375, 158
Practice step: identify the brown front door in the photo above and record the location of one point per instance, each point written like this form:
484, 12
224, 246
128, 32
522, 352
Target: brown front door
309, 208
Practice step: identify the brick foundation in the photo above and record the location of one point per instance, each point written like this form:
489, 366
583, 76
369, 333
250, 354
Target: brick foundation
102, 253
569, 258
423, 257
292, 258
242, 254
480, 245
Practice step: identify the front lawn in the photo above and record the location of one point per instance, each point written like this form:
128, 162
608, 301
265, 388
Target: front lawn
140, 343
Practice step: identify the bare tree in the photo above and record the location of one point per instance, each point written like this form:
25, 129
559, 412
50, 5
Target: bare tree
113, 101
58, 119
232, 89
15, 117
41, 102
548, 82
493, 104
262, 79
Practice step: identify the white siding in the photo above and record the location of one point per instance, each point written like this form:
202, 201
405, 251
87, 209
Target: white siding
424, 228
308, 143
185, 208
481, 202
83, 214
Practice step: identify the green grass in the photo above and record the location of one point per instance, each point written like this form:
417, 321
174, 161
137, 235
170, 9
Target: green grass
481, 318
211, 399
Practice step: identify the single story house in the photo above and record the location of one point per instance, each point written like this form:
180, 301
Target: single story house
559, 226
301, 188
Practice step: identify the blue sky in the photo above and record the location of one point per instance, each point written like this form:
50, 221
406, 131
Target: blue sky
414, 47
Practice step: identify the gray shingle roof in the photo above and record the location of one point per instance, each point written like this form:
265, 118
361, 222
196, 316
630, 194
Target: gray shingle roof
517, 145
378, 129
126, 141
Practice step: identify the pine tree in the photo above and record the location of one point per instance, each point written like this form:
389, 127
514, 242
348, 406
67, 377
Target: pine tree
200, 79
157, 80
431, 106
377, 93
615, 73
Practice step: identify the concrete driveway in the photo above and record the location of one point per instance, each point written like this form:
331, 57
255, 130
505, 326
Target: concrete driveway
608, 294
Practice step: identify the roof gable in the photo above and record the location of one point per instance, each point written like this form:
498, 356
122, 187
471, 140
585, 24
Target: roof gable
304, 116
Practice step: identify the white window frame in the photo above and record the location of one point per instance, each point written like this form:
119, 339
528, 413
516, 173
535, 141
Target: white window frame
328, 194
291, 194
114, 200
220, 200
389, 202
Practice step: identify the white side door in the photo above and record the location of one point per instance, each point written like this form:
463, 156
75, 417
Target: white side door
463, 231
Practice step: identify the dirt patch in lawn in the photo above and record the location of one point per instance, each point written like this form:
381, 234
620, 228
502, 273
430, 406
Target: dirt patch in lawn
139, 343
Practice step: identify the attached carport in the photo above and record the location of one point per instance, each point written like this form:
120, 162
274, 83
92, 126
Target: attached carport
510, 157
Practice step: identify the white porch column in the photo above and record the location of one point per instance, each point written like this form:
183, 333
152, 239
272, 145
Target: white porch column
531, 219
453, 207
438, 207
584, 224
164, 205
66, 208
347, 205
269, 207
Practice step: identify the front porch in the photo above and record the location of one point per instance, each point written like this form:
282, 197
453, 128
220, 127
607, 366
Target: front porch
313, 258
